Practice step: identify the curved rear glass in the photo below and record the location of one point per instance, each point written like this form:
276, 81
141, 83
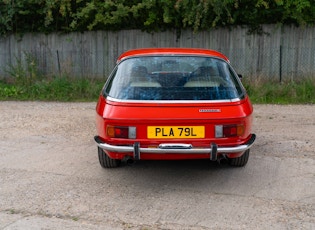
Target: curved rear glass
173, 78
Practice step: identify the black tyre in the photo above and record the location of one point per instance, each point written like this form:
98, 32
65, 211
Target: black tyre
106, 161
240, 161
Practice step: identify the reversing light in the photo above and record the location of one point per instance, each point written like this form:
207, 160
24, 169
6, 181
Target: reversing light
229, 130
121, 132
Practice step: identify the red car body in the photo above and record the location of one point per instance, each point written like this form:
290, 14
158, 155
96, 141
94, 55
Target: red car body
186, 104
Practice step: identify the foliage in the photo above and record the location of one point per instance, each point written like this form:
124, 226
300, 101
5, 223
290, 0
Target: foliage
55, 89
20, 16
26, 82
267, 92
80, 89
8, 91
25, 72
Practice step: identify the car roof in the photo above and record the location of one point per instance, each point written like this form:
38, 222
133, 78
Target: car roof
171, 51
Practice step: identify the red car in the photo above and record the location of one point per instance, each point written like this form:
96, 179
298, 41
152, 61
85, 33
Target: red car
172, 104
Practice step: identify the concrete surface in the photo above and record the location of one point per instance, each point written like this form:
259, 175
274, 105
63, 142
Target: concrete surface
50, 177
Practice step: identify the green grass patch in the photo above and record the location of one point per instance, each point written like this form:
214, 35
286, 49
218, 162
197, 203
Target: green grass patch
268, 92
55, 89
78, 89
27, 82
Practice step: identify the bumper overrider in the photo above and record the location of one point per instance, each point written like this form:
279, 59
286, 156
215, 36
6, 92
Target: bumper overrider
175, 148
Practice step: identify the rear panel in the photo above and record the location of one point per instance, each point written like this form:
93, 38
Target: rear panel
169, 123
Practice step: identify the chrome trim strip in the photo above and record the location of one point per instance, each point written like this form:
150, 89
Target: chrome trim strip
172, 101
175, 146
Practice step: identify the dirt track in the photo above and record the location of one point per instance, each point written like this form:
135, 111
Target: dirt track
50, 177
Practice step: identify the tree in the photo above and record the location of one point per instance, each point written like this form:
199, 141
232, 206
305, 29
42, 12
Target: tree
19, 16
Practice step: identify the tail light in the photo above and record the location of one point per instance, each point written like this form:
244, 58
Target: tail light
229, 130
121, 132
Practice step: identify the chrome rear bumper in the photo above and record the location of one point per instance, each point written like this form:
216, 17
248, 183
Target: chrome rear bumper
177, 148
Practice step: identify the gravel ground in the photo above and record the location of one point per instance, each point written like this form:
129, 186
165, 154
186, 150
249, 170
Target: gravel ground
50, 177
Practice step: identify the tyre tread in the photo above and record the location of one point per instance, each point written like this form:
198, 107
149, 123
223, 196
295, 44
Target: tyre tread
106, 161
240, 161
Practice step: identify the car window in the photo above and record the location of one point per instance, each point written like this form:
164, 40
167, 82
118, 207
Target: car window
173, 78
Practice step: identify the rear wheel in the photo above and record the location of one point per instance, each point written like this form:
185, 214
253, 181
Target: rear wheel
106, 161
240, 161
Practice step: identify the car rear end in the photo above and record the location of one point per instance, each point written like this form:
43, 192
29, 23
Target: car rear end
184, 106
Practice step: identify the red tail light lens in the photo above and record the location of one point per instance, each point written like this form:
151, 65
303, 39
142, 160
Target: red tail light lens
121, 132
229, 130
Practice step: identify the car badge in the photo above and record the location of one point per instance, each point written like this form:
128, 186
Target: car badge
209, 110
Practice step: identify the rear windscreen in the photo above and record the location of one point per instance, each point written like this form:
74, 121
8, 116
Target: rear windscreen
173, 78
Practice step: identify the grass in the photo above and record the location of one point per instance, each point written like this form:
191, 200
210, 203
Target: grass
26, 82
78, 89
268, 92
54, 89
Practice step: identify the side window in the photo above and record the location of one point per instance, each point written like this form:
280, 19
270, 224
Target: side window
236, 83
109, 82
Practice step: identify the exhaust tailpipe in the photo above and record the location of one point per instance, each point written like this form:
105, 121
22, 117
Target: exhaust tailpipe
129, 160
223, 160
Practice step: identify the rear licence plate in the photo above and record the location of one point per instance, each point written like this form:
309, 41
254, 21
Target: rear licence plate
176, 131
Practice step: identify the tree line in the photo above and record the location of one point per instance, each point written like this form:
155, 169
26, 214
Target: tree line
46, 16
